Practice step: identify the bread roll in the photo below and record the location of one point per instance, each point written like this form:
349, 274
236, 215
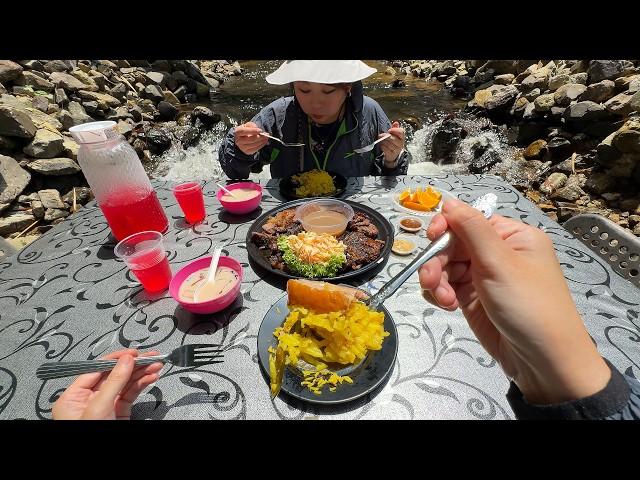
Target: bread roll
321, 297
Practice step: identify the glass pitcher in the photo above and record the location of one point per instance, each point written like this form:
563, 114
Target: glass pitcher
118, 180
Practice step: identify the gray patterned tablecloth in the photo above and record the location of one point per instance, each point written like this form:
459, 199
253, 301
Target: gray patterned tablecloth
65, 297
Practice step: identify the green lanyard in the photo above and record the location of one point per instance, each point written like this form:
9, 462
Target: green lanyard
341, 131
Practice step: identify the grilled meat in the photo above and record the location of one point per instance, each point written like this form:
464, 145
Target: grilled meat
360, 249
361, 223
282, 223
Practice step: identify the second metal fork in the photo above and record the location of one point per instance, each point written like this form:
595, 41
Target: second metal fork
184, 356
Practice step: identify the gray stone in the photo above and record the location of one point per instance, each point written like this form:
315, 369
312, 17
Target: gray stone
599, 92
15, 222
45, 144
634, 85
13, 179
623, 167
76, 115
600, 183
37, 209
553, 182
41, 103
558, 81
124, 128
66, 81
180, 77
104, 100
83, 195
604, 70
504, 79
36, 81
7, 144
32, 65
584, 112
9, 70
16, 123
167, 110
619, 105
543, 103
56, 66
579, 78
119, 91
567, 93
161, 65
194, 72
606, 151
170, 97
155, 77
627, 139
532, 95
52, 214
60, 97
572, 190
154, 93
50, 198
634, 103
54, 166
89, 82
90, 107
71, 148
501, 98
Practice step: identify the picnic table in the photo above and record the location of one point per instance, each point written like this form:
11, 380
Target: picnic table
65, 297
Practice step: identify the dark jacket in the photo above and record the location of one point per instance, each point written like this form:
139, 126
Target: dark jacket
364, 119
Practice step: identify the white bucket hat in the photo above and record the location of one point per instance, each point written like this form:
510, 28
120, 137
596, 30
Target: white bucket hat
320, 71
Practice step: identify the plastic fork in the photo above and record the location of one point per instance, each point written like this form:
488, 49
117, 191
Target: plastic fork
264, 134
368, 148
184, 356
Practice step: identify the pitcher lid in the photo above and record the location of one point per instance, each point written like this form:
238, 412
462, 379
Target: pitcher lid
94, 132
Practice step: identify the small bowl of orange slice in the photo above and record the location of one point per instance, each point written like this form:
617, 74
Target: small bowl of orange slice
424, 201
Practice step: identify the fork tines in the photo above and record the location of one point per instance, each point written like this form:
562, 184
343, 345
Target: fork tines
205, 354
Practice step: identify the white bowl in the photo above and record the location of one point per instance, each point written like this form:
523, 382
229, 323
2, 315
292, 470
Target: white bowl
408, 238
412, 217
418, 213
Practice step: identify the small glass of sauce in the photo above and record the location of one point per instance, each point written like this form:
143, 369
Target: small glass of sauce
411, 224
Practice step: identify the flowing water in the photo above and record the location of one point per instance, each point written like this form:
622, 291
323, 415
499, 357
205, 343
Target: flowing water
420, 106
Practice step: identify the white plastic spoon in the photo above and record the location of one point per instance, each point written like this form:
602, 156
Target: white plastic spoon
209, 283
227, 191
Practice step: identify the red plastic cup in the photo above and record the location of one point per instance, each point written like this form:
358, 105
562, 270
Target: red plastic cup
191, 200
144, 254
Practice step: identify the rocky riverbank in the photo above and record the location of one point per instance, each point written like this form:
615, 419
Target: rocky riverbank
576, 121
40, 100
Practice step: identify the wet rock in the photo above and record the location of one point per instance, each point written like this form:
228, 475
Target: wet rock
54, 166
205, 115
568, 93
599, 92
553, 182
534, 150
9, 70
604, 70
600, 183
557, 149
15, 222
191, 137
16, 123
157, 140
530, 131
45, 144
15, 179
167, 110
484, 162
446, 140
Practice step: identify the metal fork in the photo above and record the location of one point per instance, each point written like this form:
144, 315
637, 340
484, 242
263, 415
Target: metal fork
184, 356
264, 134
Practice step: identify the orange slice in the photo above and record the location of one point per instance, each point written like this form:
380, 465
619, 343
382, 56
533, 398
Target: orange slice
405, 195
415, 206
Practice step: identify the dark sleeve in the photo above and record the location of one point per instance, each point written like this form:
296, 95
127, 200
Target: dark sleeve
235, 163
618, 400
379, 168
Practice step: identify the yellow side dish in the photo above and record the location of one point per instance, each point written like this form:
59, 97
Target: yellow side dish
314, 183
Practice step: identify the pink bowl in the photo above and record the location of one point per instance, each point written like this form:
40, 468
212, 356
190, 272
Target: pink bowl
211, 306
244, 206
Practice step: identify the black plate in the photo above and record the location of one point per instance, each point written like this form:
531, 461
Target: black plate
288, 188
366, 376
385, 233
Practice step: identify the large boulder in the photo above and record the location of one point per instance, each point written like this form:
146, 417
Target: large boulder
501, 98
15, 222
66, 81
567, 93
54, 166
604, 70
584, 112
36, 81
9, 70
13, 179
446, 140
16, 123
627, 139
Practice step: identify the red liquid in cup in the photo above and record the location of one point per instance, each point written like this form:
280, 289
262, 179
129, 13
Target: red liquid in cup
155, 278
191, 201
128, 212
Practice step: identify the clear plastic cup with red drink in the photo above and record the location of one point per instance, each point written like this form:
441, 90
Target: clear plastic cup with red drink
145, 256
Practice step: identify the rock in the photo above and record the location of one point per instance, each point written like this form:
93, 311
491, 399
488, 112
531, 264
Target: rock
7, 144
14, 179
83, 196
634, 103
519, 106
37, 209
70, 148
571, 191
600, 183
634, 220
89, 82
16, 123
190, 137
207, 118
534, 150
446, 139
76, 115
599, 92
157, 140
9, 71
60, 97
50, 198
530, 131
124, 128
161, 65
604, 70
40, 103
484, 162
606, 151
66, 81
553, 182
558, 81
619, 105
104, 100
190, 98
483, 76
171, 98
167, 110
390, 71
194, 72
45, 144
202, 89
119, 91
557, 149
139, 63
624, 166
584, 112
634, 85
56, 66
627, 139
154, 93
566, 210
544, 102
136, 113
502, 98
532, 95
52, 214
567, 93
180, 77
15, 222
155, 77
54, 166
481, 96
91, 107
36, 81
504, 79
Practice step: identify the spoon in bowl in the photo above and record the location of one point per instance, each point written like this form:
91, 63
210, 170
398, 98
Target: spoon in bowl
209, 283
227, 191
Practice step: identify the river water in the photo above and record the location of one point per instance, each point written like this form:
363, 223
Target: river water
419, 105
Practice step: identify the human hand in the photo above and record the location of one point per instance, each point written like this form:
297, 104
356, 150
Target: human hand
248, 139
392, 146
107, 395
505, 277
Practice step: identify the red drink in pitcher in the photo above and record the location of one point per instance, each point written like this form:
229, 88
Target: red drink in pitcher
129, 211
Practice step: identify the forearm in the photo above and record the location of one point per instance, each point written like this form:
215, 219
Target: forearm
235, 163
397, 167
